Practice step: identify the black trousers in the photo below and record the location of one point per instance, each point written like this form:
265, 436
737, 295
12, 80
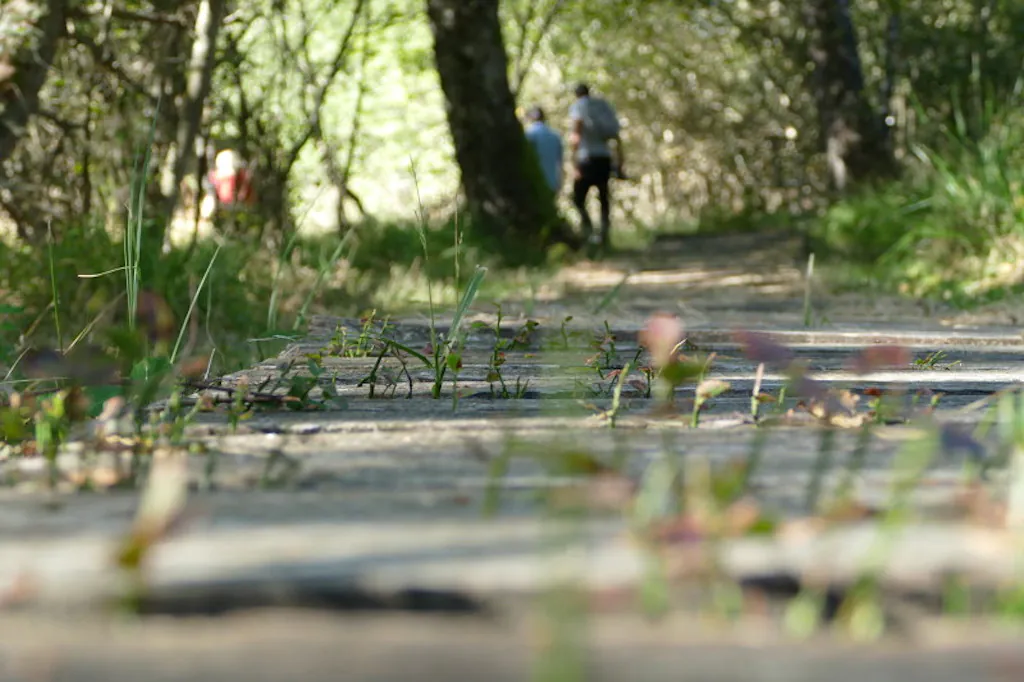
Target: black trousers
594, 172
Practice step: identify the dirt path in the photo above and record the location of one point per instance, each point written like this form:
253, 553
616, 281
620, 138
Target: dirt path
748, 280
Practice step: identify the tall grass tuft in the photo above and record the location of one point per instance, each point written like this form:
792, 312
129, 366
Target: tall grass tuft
134, 228
953, 225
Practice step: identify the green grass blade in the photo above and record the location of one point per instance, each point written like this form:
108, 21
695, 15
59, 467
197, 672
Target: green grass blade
133, 231
192, 304
468, 296
613, 294
54, 293
320, 276
275, 292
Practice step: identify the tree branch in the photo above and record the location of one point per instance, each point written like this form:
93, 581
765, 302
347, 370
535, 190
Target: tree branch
199, 77
524, 22
523, 65
321, 95
101, 59
30, 64
130, 15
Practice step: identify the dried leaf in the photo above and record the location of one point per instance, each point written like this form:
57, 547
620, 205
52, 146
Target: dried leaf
838, 408
194, 367
76, 404
112, 408
154, 315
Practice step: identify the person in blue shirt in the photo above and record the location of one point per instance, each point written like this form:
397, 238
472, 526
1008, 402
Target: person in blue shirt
548, 145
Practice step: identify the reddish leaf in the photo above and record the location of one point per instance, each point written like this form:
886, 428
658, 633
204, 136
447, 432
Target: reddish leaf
759, 348
194, 367
660, 336
874, 358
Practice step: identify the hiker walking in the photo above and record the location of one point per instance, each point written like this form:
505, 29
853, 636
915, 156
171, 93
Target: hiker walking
548, 145
594, 125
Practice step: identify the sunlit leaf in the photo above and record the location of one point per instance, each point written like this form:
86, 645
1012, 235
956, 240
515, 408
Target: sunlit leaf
712, 388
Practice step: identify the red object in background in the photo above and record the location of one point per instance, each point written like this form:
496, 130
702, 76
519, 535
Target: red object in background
232, 188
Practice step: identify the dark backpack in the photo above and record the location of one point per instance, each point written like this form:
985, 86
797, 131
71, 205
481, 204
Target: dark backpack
602, 119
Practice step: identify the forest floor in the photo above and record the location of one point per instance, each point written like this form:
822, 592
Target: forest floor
540, 519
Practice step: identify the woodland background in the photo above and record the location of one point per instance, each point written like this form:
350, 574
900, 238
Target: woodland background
889, 132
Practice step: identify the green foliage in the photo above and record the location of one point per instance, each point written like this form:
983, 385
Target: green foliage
953, 226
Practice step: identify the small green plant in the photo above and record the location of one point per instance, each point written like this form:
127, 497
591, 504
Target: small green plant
565, 331
239, 409
366, 342
606, 354
451, 346
371, 378
53, 422
454, 362
934, 360
621, 376
497, 357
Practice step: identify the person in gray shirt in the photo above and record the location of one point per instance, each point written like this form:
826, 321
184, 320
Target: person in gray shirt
548, 145
594, 125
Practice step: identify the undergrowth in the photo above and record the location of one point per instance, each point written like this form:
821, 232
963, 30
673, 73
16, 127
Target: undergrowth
952, 226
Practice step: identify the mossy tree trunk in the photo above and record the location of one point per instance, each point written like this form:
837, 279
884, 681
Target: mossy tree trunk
503, 184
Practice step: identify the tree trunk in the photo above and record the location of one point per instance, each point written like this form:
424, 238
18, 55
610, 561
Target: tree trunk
503, 184
24, 68
197, 88
855, 137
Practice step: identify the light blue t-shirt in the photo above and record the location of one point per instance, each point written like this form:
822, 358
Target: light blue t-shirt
549, 149
591, 145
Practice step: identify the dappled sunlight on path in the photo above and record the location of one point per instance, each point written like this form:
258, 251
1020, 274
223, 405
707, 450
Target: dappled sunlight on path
739, 280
